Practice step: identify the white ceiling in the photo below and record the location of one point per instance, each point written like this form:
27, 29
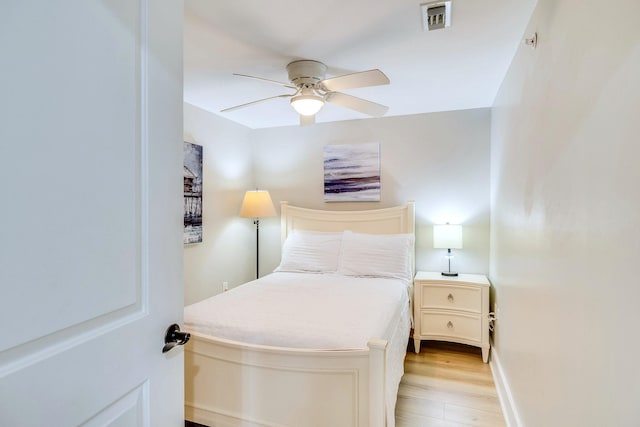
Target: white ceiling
459, 67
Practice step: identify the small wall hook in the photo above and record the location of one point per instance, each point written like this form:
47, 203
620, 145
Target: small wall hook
532, 41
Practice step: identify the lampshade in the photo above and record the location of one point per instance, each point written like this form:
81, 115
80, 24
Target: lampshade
447, 236
257, 204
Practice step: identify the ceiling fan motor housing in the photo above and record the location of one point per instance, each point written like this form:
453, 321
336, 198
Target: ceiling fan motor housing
306, 72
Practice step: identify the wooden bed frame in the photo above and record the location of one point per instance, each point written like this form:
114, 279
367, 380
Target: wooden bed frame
232, 384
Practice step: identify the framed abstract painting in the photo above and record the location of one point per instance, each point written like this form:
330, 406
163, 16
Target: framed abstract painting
352, 173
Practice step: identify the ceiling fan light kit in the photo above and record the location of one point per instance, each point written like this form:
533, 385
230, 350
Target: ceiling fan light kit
308, 103
312, 90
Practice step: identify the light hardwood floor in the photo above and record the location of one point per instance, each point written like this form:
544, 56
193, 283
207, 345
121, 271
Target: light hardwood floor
447, 385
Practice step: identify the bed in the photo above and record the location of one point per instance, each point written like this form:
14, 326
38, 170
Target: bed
315, 343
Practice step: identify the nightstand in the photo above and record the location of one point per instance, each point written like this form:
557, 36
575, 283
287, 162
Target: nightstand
454, 309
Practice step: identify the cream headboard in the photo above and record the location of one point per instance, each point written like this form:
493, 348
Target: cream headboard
398, 219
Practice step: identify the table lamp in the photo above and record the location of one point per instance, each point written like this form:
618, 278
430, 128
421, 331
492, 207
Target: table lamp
447, 236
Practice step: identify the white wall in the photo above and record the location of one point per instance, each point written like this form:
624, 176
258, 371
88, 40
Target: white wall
439, 160
225, 253
565, 227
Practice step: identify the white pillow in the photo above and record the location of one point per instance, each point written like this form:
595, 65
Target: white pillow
376, 255
311, 252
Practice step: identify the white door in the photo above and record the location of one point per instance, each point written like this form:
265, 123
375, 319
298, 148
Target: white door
90, 214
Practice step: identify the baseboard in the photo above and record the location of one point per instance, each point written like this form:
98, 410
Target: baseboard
504, 392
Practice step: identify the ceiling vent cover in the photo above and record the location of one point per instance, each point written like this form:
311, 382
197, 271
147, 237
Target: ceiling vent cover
436, 15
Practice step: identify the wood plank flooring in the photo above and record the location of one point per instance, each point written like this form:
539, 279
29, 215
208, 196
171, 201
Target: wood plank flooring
447, 385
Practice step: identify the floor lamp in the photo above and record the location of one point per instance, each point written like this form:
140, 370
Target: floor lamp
257, 204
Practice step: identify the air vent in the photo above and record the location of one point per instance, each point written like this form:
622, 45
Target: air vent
436, 15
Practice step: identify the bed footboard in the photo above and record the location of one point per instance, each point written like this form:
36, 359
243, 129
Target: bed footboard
230, 384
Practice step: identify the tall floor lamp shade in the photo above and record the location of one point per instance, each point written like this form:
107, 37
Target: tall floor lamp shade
257, 204
447, 236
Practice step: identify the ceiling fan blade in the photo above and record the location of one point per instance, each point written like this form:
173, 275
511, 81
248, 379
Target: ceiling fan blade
307, 120
289, 85
350, 81
226, 110
357, 104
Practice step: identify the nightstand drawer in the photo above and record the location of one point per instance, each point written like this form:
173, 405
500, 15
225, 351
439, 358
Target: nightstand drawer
456, 325
452, 297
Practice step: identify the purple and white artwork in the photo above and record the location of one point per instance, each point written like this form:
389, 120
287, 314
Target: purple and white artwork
352, 173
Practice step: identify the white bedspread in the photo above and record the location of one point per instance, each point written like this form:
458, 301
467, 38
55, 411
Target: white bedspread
298, 310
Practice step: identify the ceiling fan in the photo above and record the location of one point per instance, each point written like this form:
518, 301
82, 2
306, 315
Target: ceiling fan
312, 90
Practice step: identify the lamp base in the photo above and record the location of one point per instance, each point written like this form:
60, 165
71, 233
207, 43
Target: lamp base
449, 273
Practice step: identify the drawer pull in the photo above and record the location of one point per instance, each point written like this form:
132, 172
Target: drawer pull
450, 298
450, 325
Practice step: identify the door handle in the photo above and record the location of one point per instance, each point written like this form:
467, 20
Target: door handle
174, 337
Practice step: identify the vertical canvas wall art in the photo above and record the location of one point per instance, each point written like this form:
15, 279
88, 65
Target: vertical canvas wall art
192, 193
352, 173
